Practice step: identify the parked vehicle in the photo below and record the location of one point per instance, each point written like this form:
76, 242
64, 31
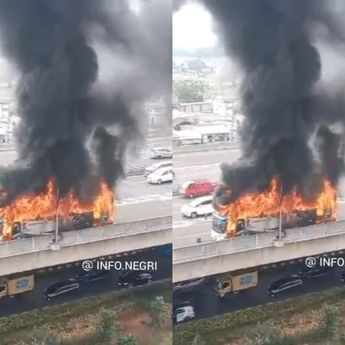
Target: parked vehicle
60, 288
183, 313
159, 153
284, 284
89, 277
192, 189
15, 286
134, 278
160, 176
315, 272
166, 164
230, 283
198, 207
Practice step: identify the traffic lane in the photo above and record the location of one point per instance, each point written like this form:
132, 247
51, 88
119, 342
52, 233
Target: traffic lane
137, 186
145, 210
197, 172
206, 157
34, 299
208, 304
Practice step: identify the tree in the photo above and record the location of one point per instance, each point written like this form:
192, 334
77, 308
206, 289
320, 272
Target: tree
330, 322
190, 90
107, 329
159, 311
128, 339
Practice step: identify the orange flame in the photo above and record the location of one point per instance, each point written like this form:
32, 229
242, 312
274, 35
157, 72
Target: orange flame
46, 206
268, 203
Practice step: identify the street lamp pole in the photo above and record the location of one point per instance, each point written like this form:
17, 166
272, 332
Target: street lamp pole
57, 216
281, 213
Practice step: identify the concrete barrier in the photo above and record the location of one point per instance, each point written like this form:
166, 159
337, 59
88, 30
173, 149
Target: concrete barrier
218, 257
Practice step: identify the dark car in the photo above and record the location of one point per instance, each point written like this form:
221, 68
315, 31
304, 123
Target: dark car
315, 272
88, 277
284, 284
60, 288
134, 278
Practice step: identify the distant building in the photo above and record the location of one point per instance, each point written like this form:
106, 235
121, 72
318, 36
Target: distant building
190, 134
197, 107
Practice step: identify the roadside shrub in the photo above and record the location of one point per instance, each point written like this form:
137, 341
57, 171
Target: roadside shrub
128, 339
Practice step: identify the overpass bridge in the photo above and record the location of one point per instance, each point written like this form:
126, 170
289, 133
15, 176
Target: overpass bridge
39, 252
205, 259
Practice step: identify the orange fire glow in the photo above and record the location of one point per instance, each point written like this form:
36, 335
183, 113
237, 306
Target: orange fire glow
46, 206
268, 203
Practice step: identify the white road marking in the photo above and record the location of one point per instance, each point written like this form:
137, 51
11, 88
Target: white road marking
145, 198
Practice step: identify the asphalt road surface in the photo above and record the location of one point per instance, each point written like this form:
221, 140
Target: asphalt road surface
208, 304
133, 190
35, 300
200, 165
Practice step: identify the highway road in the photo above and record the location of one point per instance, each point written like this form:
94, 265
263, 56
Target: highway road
136, 199
199, 165
34, 299
208, 304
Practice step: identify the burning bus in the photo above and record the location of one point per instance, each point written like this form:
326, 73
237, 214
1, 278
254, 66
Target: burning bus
259, 212
31, 215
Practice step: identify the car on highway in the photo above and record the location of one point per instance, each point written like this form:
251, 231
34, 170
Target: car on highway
183, 312
199, 207
284, 284
61, 288
152, 168
134, 278
160, 176
192, 189
159, 153
315, 272
89, 277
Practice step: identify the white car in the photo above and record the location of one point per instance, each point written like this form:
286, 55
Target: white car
154, 167
161, 176
158, 153
198, 207
183, 314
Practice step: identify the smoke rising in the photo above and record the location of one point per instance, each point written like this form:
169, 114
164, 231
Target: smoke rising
69, 95
275, 43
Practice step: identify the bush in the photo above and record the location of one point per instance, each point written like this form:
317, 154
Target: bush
159, 310
330, 322
107, 329
128, 339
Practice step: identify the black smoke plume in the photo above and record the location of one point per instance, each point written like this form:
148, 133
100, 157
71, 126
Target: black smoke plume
78, 110
274, 43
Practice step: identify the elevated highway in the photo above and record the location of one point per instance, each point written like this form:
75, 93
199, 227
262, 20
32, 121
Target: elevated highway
39, 252
204, 259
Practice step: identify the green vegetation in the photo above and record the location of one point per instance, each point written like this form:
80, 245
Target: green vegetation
106, 312
257, 322
190, 90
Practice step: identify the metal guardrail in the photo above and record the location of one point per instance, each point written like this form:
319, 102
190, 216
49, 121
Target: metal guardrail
229, 246
77, 237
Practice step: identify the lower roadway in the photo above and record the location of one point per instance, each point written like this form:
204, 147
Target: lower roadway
208, 304
35, 300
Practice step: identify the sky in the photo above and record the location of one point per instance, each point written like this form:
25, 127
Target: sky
192, 28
